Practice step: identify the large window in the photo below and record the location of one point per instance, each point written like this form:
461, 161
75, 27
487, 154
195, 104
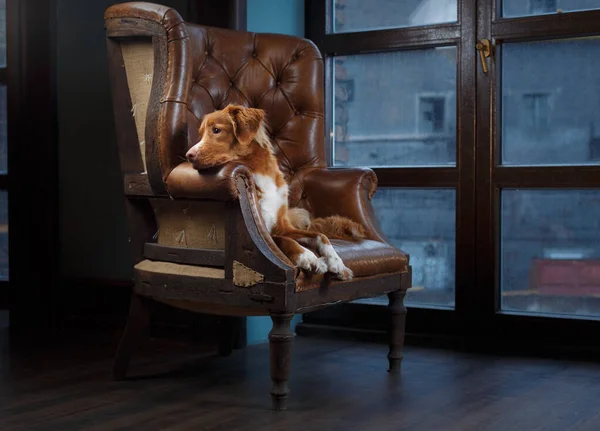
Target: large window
395, 110
481, 123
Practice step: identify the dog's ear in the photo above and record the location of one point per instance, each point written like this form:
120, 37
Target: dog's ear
246, 122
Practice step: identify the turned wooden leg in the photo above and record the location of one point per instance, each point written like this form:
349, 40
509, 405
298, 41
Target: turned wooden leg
136, 330
396, 330
281, 338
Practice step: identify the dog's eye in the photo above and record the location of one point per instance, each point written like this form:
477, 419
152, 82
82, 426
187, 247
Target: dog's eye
216, 130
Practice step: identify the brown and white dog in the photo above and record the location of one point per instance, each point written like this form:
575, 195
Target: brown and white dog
239, 134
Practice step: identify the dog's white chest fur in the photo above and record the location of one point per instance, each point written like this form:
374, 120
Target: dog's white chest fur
273, 198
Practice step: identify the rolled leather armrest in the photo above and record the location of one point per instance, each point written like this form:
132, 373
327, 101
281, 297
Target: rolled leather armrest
219, 183
346, 192
163, 15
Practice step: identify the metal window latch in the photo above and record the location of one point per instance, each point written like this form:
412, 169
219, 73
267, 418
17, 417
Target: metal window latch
484, 46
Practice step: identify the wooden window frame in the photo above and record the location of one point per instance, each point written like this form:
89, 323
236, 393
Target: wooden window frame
477, 318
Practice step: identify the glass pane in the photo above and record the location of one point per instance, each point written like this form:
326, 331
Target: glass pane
3, 235
395, 108
513, 8
550, 101
550, 251
362, 15
2, 33
421, 222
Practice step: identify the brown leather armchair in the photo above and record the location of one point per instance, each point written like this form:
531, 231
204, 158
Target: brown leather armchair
197, 239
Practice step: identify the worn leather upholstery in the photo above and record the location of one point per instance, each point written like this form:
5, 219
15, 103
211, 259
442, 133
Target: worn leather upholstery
212, 67
278, 73
366, 258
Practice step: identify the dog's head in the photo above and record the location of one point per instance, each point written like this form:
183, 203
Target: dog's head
227, 135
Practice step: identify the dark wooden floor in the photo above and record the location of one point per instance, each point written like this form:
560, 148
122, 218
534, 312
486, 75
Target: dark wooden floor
336, 385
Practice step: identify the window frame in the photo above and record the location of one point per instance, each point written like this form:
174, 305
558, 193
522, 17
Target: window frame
479, 176
433, 177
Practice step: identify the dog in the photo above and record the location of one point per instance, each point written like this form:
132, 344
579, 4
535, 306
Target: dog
237, 133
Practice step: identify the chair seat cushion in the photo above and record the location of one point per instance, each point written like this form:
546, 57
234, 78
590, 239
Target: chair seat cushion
368, 257
365, 258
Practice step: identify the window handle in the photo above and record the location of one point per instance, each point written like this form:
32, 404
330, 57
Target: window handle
484, 46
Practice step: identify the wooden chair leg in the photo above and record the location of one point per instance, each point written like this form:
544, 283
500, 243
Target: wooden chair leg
281, 339
136, 330
396, 330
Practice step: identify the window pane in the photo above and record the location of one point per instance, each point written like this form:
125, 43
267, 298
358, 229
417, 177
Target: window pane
3, 235
2, 33
395, 108
421, 222
550, 251
550, 101
362, 15
513, 8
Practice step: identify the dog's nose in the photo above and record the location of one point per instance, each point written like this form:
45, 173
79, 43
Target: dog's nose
190, 155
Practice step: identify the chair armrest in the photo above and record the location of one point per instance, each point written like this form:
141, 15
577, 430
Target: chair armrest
230, 182
142, 10
254, 224
247, 240
165, 124
346, 192
185, 182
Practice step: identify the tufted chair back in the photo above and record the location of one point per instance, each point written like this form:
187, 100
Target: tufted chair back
178, 72
281, 74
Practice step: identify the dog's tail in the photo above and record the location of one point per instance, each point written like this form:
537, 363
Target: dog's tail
337, 227
299, 218
333, 227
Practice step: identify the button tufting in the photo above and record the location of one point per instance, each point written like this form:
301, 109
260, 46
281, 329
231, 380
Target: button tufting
205, 52
231, 83
253, 55
278, 83
304, 195
297, 112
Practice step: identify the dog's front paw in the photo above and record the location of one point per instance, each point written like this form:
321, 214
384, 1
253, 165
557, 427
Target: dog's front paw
308, 261
345, 275
320, 266
341, 271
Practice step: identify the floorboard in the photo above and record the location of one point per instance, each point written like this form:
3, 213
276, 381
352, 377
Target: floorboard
336, 385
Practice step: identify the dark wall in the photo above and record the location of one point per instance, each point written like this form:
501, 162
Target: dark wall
92, 217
